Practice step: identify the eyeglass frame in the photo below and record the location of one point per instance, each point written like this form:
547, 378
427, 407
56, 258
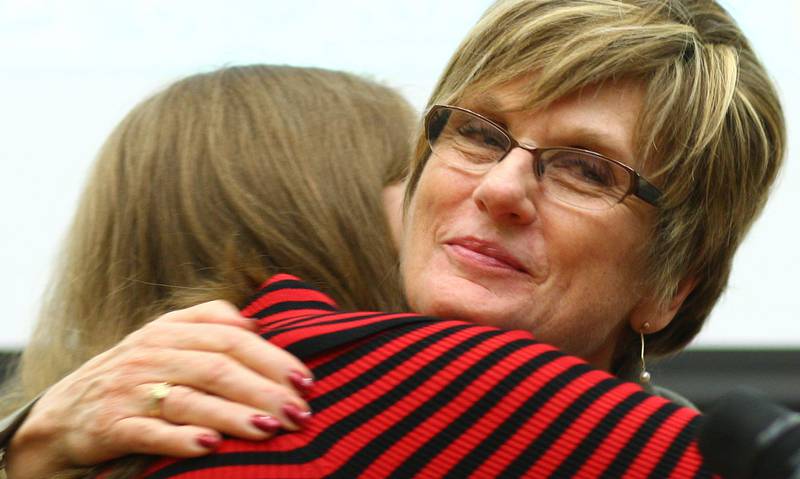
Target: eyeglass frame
639, 186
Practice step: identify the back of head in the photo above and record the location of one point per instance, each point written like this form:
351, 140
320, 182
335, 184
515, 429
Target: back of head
711, 132
215, 183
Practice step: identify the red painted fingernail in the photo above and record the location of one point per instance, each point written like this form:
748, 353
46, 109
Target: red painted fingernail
209, 441
297, 416
266, 423
302, 383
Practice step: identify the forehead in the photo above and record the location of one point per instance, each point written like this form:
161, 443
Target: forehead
601, 117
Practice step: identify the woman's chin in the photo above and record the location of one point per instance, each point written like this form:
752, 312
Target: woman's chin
467, 301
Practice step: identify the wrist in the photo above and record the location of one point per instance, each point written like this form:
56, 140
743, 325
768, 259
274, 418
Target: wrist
30, 449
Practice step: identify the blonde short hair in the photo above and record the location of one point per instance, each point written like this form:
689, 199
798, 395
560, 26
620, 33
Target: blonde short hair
210, 186
711, 131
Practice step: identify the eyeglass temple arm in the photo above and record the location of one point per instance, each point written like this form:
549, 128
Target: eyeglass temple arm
646, 191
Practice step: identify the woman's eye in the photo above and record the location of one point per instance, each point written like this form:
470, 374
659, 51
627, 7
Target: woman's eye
483, 136
593, 172
585, 170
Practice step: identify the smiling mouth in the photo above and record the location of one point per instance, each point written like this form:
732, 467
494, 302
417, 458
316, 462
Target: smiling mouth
484, 254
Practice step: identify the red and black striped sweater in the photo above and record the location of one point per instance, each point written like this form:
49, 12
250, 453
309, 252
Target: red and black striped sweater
404, 395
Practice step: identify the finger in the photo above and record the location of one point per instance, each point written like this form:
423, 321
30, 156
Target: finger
249, 349
185, 405
145, 435
217, 311
220, 375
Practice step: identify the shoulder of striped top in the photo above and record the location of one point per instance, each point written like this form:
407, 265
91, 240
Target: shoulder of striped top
300, 318
284, 294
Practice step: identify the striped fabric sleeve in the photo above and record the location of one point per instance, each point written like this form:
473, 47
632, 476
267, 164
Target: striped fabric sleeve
403, 395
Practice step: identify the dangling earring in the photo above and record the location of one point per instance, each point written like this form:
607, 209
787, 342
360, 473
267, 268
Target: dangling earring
644, 375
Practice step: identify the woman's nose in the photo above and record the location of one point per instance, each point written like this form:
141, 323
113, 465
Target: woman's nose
505, 191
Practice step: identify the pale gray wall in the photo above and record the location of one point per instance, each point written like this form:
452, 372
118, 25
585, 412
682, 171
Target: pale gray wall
70, 70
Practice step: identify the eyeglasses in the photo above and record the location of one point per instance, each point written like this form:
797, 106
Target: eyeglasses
581, 178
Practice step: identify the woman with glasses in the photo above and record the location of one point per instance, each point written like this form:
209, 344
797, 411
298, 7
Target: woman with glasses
586, 174
523, 219
590, 172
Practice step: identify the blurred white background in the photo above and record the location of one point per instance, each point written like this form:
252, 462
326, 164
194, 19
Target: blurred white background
70, 70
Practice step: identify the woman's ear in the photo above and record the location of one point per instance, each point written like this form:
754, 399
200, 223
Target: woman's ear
658, 314
393, 207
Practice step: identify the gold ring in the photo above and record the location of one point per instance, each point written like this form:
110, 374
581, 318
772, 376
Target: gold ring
158, 392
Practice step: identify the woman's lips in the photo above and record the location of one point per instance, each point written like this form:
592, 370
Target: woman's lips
484, 253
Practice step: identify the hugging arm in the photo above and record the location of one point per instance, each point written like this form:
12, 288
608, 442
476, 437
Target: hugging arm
224, 375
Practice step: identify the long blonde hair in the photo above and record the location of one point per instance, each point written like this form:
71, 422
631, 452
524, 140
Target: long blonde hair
211, 185
711, 133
